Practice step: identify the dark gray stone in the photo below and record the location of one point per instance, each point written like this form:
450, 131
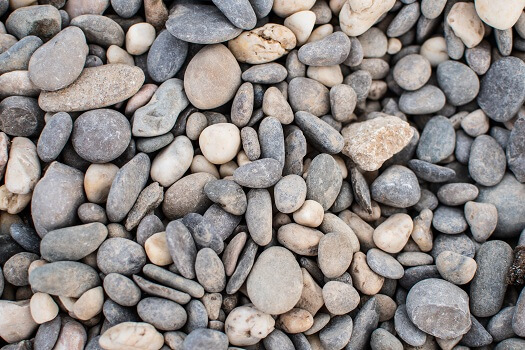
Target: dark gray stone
148, 226
502, 90
295, 151
365, 323
384, 264
478, 58
406, 330
204, 339
26, 237
417, 274
154, 144
166, 56
115, 313
21, 116
16, 268
360, 189
397, 186
487, 162
331, 50
344, 198
324, 180
240, 13
463, 145
241, 112
266, 73
47, 334
244, 266
431, 172
121, 289
8, 248
173, 280
163, 314
186, 22
516, 149
437, 141
121, 255
182, 248
360, 81
278, 340
405, 19
17, 56
197, 316
511, 344
43, 21
477, 335
321, 135
271, 139
500, 325
449, 220
100, 30
428, 99
261, 173
161, 291
459, 83
336, 334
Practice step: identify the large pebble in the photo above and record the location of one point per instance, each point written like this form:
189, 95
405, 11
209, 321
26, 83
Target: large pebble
100, 30
220, 143
17, 56
164, 314
245, 325
384, 264
16, 322
449, 220
54, 136
412, 72
20, 116
437, 141
487, 162
334, 254
23, 168
329, 51
187, 196
459, 83
339, 297
499, 14
262, 173
392, 235
308, 95
204, 338
121, 289
357, 17
166, 56
172, 162
324, 180
397, 186
41, 20
290, 193
428, 99
132, 335
120, 255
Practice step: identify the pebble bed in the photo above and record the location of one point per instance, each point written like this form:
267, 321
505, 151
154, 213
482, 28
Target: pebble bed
262, 174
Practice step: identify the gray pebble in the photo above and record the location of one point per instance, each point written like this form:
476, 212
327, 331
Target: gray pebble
336, 334
417, 274
126, 8
431, 172
182, 248
197, 316
356, 53
377, 67
228, 194
100, 30
428, 99
163, 314
432, 8
242, 105
210, 271
294, 66
259, 216
397, 186
405, 19
121, 289
516, 149
153, 144
324, 180
300, 342
250, 143
266, 73
43, 21
15, 269
54, 136
204, 339
26, 237
411, 259
322, 136
329, 51
171, 279
449, 220
344, 198
187, 196
360, 81
406, 330
459, 83
384, 264
115, 313
487, 162
289, 193
261, 173
343, 100
21, 116
500, 325
47, 334
478, 58
437, 141
121, 255
271, 139
374, 43
17, 56
148, 226
457, 193
412, 72
428, 200
243, 268
477, 335
161, 291
518, 319
365, 323
463, 146
239, 13
309, 95
295, 150
278, 340
503, 41
455, 46
501, 135
166, 56
460, 244
8, 248
511, 344
382, 339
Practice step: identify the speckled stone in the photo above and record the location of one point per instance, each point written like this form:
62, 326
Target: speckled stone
329, 51
487, 162
437, 141
324, 180
397, 186
428, 99
459, 82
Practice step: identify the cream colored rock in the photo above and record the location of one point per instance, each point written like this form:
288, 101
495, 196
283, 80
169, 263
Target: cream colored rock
394, 46
89, 304
98, 180
327, 75
299, 239
263, 44
456, 268
34, 265
131, 336
500, 14
466, 24
364, 279
156, 248
357, 16
172, 162
16, 322
320, 32
312, 295
310, 214
422, 233
11, 202
200, 164
220, 143
301, 24
226, 170
139, 38
212, 302
242, 158
392, 235
116, 54
245, 325
434, 50
276, 105
23, 167
43, 308
336, 5
67, 303
341, 164
284, 8
295, 321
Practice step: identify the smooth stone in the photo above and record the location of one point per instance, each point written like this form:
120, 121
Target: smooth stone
479, 57
259, 216
173, 280
120, 255
457, 193
295, 321
114, 313
98, 180
320, 187
166, 56
264, 44
456, 268
411, 259
500, 325
126, 9
271, 139
20, 116
160, 114
26, 237
243, 268
242, 105
261, 7
72, 243
275, 105
182, 248
374, 43
80, 7
47, 334
267, 73
16, 323
340, 298
132, 335
459, 83
148, 200
365, 322
156, 248
515, 150
382, 339
475, 123
54, 136
463, 19
405, 19
240, 14
96, 87
23, 168
197, 316
477, 336
139, 38
329, 51
126, 187
459, 243
275, 290
232, 252
187, 196
428, 99
449, 220
499, 14
15, 269
100, 30
121, 289
322, 136
299, 239
406, 330
18, 55
437, 140
220, 142
210, 271
176, 157
262, 173
185, 22
487, 161
301, 24
64, 278
11, 202
439, 308
482, 219
412, 72
363, 278
89, 304
431, 172
357, 17
60, 184
17, 83
502, 90
384, 264
392, 235
153, 144
310, 214
203, 338
62, 57
43, 21
494, 258
336, 334
397, 186
343, 100
308, 95
518, 320
164, 314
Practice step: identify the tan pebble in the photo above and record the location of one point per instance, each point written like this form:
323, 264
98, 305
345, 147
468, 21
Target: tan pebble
23, 167
131, 336
366, 216
98, 180
232, 251
320, 32
276, 105
301, 24
43, 308
310, 214
299, 239
156, 13
475, 123
140, 99
456, 268
394, 46
116, 54
340, 298
200, 164
242, 158
11, 202
364, 279
329, 76
357, 16
284, 8
422, 233
386, 307
295, 321
312, 294
16, 322
392, 235
172, 162
226, 170
500, 14
17, 83
34, 265
67, 303
139, 38
342, 166
89, 304
434, 50
334, 254
212, 302
466, 24
361, 228
219, 143
156, 248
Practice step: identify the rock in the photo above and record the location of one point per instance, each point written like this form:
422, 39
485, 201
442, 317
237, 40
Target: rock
365, 322
343, 100
232, 252
62, 57
329, 51
20, 116
310, 214
54, 136
500, 325
405, 19
228, 194
185, 23
17, 56
308, 95
456, 268
295, 321
457, 193
209, 85
240, 14
397, 186
384, 264
100, 30
459, 83
89, 304
383, 339
98, 180
487, 161
48, 333
220, 142
437, 140
164, 314
431, 172
245, 325
187, 196
16, 268
494, 258
120, 255
16, 322
275, 105
43, 308
284, 9
501, 105
139, 38
203, 338
439, 308
176, 157
17, 83
126, 187
148, 200
26, 237
320, 187
96, 87
499, 14
263, 44
374, 43
364, 279
166, 56
406, 330
41, 20
182, 248
80, 7
126, 9
339, 297
161, 113
428, 99
210, 271
173, 280
449, 220
64, 278
299, 239
259, 216
392, 235
412, 72
121, 289
334, 254
129, 335
323, 136
464, 21
357, 17
156, 248
275, 290
482, 219
268, 73
262, 173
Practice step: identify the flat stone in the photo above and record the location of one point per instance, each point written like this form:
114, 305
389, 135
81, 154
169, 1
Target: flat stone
17, 56
459, 83
148, 200
54, 136
365, 322
449, 220
240, 14
43, 21
262, 173
384, 264
321, 187
128, 335
308, 95
228, 194
182, 248
271, 139
173, 280
437, 140
392, 235
339, 297
463, 19
21, 116
47, 334
121, 289
259, 216
290, 193
26, 237
487, 162
267, 73
457, 193
515, 150
329, 51
120, 255
100, 30
431, 172
397, 186
405, 19
412, 72
204, 338
428, 99
501, 105
164, 314
96, 87
64, 278
166, 56
185, 22
210, 271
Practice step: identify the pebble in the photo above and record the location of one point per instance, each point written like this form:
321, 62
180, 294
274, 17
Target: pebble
41, 20
96, 87
464, 21
241, 14
331, 50
232, 252
456, 268
384, 264
210, 271
364, 278
431, 172
176, 157
125, 335
173, 280
475, 123
323, 136
500, 325
16, 323
365, 322
245, 325
176, 205
397, 186
26, 237
501, 105
412, 72
79, 7
357, 18
499, 14
457, 193
164, 314
459, 83
262, 173
18, 55
17, 83
202, 338
428, 99
437, 140
121, 289
301, 24
16, 268
439, 308
120, 255
267, 73
514, 149
487, 162
228, 194
166, 56
406, 330
310, 214
98, 180
343, 100
339, 297
308, 95
290, 193
405, 19
89, 304
258, 216
156, 248
23, 167
54, 136
126, 9
374, 43
382, 339
478, 58
20, 116
220, 143
392, 235
139, 38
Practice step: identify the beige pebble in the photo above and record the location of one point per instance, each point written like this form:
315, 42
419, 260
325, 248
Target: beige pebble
156, 248
295, 321
334, 254
89, 304
67, 303
17, 83
311, 296
139, 38
226, 170
140, 99
422, 233
242, 158
43, 308
392, 235
16, 322
172, 162
284, 8
245, 325
340, 298
220, 143
500, 14
475, 123
456, 268
116, 54
23, 167
299, 239
361, 228
374, 215
378, 89
212, 302
301, 24
394, 46
131, 336
332, 223
386, 307
82, 7
232, 252
411, 259
34, 265
98, 180
464, 21
310, 214
11, 202
364, 279
320, 32
434, 50
326, 75
200, 164
276, 105
341, 164
357, 16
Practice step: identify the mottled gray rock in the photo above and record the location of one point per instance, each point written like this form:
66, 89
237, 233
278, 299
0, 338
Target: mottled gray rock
477, 335
266, 73
21, 116
382, 339
262, 173
126, 187
242, 110
100, 30
405, 19
186, 23
166, 56
271, 139
406, 330
500, 325
56, 198
309, 95
153, 144
239, 13
360, 81
417, 274
216, 224
26, 237
278, 340
121, 289
126, 8
121, 255
502, 90
459, 83
516, 149
488, 287
295, 151
43, 21
322, 136
259, 216
261, 7
457, 193
510, 344
210, 271
15, 269
463, 146
47, 334
187, 196
148, 226
197, 316
331, 50
336, 334
148, 200
365, 323
54, 136
323, 180
478, 58
17, 56
243, 268
428, 99
384, 264
203, 338
431, 172
487, 162
115, 313
437, 141
163, 314
397, 186
64, 278
412, 72
182, 248
173, 280
289, 193
460, 244
449, 220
